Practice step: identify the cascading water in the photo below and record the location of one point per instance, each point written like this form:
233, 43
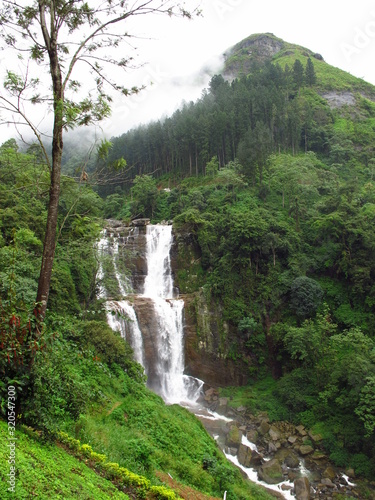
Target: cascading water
174, 386
164, 366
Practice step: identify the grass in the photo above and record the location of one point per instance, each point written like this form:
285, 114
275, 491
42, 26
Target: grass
147, 437
45, 471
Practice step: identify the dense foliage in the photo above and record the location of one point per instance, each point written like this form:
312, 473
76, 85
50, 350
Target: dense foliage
71, 372
274, 189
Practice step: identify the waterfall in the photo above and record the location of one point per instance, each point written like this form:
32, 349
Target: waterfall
153, 320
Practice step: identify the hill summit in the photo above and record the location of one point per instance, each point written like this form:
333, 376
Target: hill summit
259, 48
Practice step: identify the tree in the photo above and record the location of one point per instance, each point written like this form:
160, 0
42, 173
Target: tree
298, 74
144, 194
64, 34
310, 75
306, 296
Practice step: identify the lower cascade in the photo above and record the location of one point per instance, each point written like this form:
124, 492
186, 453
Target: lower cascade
151, 317
146, 309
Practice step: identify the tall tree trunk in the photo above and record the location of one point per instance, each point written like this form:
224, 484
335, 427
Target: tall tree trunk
55, 174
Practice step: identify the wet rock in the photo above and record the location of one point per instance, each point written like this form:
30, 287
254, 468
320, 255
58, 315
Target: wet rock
210, 393
252, 435
306, 449
302, 488
264, 427
286, 487
140, 222
274, 434
329, 473
327, 482
233, 438
256, 459
222, 406
301, 430
271, 472
244, 455
232, 451
350, 473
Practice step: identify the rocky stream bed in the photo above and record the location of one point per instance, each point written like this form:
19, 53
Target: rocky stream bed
280, 453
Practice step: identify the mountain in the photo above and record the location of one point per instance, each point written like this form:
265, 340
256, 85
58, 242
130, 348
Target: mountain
265, 47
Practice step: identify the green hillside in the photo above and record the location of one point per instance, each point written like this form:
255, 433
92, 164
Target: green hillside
269, 181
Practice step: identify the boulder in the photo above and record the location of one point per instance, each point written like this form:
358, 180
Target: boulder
264, 427
350, 473
329, 473
271, 472
244, 455
252, 436
272, 447
233, 438
301, 430
327, 482
140, 222
274, 434
292, 460
302, 488
288, 457
222, 406
256, 459
306, 449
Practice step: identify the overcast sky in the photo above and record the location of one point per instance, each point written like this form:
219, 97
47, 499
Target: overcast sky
179, 56
183, 54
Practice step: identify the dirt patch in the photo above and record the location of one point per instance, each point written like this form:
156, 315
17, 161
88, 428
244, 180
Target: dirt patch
184, 491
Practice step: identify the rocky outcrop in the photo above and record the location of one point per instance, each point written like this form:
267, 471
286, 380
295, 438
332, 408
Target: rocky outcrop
255, 48
206, 339
131, 242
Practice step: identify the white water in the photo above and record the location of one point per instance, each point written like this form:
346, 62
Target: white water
174, 386
168, 378
124, 320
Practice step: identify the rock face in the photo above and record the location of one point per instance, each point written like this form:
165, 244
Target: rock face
132, 247
205, 357
144, 309
254, 48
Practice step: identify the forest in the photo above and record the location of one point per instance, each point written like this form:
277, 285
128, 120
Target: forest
273, 187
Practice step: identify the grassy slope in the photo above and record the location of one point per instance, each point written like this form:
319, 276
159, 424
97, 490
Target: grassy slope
46, 471
328, 77
141, 433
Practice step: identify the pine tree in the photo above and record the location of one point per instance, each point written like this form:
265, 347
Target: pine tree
310, 74
298, 74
